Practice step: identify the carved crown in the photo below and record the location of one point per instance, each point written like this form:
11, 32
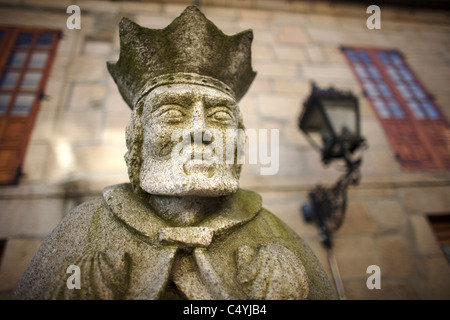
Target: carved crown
190, 50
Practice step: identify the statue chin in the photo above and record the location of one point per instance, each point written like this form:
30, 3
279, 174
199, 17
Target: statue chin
163, 177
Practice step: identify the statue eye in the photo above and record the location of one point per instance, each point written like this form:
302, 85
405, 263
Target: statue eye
222, 116
171, 114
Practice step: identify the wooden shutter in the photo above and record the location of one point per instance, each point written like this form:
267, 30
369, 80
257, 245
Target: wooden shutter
416, 129
26, 56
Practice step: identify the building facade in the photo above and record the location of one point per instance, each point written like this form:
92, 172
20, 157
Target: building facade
55, 89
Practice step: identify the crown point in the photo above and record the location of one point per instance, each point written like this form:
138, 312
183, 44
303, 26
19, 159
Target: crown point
126, 25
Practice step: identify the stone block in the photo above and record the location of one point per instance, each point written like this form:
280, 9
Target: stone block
315, 53
97, 48
287, 207
292, 135
434, 282
35, 161
357, 220
354, 254
114, 103
113, 132
258, 86
289, 53
397, 259
313, 163
18, 254
298, 87
98, 6
331, 72
140, 7
29, 217
271, 5
326, 36
333, 53
424, 238
258, 26
290, 162
86, 97
80, 126
59, 70
25, 17
426, 200
249, 112
175, 8
289, 70
217, 9
255, 15
262, 52
370, 194
99, 159
381, 161
60, 161
70, 42
373, 132
293, 35
55, 92
281, 107
365, 108
267, 38
387, 214
44, 126
87, 68
280, 18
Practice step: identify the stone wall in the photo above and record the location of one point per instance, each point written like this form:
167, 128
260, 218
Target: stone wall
78, 143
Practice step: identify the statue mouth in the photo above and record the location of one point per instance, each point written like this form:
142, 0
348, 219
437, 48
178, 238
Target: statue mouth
200, 163
203, 168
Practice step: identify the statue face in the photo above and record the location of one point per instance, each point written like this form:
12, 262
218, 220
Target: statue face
187, 128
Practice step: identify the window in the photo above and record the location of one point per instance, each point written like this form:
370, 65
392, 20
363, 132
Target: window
440, 224
2, 248
25, 59
416, 128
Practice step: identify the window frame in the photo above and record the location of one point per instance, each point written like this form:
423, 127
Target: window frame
16, 129
418, 131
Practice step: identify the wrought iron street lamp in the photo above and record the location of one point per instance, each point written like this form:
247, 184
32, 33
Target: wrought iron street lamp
334, 116
331, 122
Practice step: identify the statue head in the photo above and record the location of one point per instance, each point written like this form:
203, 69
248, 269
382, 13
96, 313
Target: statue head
183, 84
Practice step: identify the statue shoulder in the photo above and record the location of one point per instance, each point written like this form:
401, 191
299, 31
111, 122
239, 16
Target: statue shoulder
58, 251
280, 254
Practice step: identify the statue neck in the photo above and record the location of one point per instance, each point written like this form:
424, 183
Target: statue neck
183, 211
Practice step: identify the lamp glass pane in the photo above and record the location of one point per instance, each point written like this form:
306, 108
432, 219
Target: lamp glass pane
316, 127
342, 115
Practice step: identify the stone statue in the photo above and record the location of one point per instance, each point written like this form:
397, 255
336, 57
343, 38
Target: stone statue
182, 229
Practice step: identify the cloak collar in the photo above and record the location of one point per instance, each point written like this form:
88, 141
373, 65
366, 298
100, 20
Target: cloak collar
136, 214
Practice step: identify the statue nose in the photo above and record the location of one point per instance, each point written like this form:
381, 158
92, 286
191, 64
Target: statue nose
200, 132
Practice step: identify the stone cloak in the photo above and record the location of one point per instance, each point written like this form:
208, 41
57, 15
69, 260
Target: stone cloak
125, 251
